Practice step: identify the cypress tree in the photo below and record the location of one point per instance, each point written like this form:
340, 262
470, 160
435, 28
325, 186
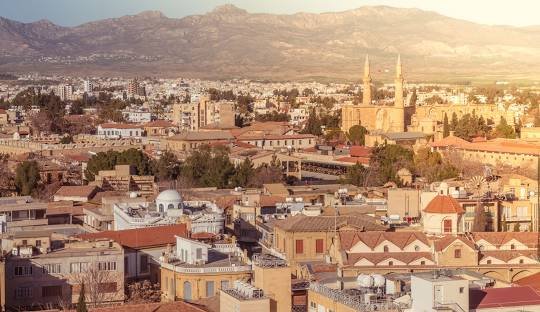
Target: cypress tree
81, 304
446, 126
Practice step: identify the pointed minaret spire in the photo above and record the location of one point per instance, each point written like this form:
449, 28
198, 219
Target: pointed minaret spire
399, 102
366, 95
367, 70
399, 73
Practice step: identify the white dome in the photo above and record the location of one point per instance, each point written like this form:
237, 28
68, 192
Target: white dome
169, 199
169, 196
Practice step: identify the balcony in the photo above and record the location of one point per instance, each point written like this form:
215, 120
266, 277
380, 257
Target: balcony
518, 218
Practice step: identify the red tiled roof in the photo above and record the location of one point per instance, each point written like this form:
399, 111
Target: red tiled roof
498, 145
177, 306
503, 297
532, 280
444, 204
143, 237
120, 126
372, 239
530, 239
77, 190
202, 235
360, 151
507, 255
159, 124
270, 200
446, 241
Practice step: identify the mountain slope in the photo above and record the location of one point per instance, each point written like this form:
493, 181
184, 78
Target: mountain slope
230, 42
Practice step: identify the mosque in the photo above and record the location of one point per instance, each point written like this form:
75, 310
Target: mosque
379, 119
169, 208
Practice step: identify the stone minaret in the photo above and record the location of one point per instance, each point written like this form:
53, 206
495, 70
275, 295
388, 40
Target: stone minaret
399, 102
366, 96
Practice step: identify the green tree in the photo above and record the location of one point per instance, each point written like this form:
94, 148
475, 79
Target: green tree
357, 135
385, 162
454, 122
432, 167
504, 130
356, 174
243, 173
208, 166
313, 124
81, 303
27, 177
107, 161
446, 126
167, 167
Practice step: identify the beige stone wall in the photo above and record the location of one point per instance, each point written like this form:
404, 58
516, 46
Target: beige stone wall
276, 284
447, 257
228, 303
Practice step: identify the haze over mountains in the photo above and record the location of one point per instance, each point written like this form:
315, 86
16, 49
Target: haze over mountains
232, 43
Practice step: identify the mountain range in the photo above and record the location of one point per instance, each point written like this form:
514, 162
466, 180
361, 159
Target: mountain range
229, 42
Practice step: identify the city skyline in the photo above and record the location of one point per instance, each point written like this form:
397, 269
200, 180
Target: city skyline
73, 13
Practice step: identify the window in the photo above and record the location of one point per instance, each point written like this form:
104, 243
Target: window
313, 304
457, 253
23, 292
144, 264
209, 288
224, 284
416, 248
461, 290
385, 248
38, 243
52, 268
76, 267
23, 270
24, 242
199, 253
170, 206
319, 246
107, 266
161, 208
422, 262
521, 261
447, 224
299, 246
512, 246
390, 263
488, 261
51, 291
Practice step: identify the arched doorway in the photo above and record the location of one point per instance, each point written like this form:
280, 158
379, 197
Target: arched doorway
381, 120
187, 291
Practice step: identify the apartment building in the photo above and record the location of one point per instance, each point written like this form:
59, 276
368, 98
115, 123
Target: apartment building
204, 113
45, 271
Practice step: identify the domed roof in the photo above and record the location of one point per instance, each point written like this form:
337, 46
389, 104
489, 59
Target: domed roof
444, 204
169, 196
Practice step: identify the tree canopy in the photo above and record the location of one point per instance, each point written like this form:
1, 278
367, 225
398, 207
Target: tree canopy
27, 177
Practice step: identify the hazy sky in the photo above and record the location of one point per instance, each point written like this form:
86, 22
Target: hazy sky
74, 12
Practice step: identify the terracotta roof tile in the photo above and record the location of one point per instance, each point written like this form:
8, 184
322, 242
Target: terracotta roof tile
143, 237
374, 238
530, 239
444, 204
302, 223
445, 241
177, 306
503, 297
532, 280
78, 190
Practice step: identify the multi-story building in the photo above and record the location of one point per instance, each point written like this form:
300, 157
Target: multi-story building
196, 270
243, 297
123, 178
119, 130
65, 92
21, 212
88, 86
42, 271
204, 113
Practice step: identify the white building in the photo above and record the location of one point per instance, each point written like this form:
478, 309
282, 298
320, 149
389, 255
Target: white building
432, 291
138, 116
119, 130
88, 86
169, 208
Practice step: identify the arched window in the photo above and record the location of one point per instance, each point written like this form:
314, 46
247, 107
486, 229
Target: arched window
416, 248
481, 247
171, 206
385, 248
180, 206
512, 246
160, 207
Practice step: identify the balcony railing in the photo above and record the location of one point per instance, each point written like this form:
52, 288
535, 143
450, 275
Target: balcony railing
202, 270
